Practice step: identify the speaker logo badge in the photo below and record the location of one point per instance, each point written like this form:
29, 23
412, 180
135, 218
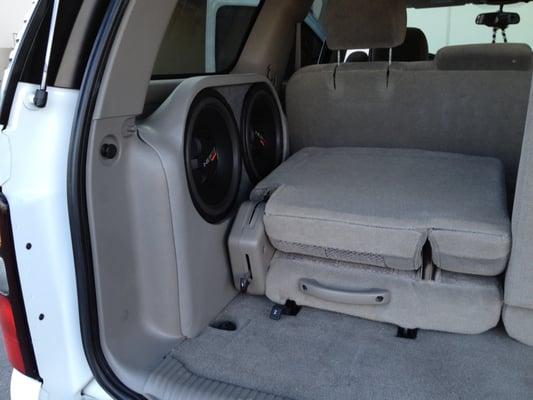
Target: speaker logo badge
260, 138
212, 157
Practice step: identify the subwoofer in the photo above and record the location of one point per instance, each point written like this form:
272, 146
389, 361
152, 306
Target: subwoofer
262, 132
212, 158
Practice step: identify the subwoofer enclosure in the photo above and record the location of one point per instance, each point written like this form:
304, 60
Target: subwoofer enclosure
201, 220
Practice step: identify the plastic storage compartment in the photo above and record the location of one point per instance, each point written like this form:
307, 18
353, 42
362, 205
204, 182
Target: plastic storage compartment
249, 248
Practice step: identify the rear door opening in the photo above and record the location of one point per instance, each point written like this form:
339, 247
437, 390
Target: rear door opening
257, 218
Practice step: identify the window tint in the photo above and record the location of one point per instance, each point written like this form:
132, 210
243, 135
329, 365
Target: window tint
232, 25
203, 36
313, 50
312, 47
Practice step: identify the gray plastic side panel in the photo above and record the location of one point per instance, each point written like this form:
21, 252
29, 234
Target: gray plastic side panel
173, 381
133, 253
250, 250
161, 271
130, 64
158, 91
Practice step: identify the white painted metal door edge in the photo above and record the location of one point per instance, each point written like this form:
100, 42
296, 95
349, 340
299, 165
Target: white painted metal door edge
36, 190
24, 387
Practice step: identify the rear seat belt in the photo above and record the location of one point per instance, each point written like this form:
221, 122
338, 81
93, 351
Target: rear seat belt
298, 48
388, 67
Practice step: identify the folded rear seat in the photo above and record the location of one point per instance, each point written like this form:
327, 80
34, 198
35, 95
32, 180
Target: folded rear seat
411, 237
380, 207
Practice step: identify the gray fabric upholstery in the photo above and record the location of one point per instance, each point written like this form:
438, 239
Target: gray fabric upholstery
319, 355
413, 48
519, 277
518, 323
497, 56
471, 112
380, 206
452, 302
362, 24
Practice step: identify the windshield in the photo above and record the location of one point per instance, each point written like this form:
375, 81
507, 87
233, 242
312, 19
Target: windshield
446, 26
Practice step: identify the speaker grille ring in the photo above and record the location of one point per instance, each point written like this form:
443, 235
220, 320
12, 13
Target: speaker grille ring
212, 157
262, 132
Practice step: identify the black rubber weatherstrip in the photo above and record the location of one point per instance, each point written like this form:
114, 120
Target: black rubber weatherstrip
77, 206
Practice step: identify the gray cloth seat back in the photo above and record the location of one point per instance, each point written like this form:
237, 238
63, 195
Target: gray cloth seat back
411, 105
518, 310
487, 57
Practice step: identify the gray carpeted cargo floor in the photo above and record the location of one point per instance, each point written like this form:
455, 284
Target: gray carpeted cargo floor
323, 355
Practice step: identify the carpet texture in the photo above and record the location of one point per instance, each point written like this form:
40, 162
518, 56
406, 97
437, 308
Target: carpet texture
323, 355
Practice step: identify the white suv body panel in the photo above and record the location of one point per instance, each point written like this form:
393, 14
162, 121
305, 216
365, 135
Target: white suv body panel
36, 189
25, 388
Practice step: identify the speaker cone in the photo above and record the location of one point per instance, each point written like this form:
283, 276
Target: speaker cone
212, 159
262, 132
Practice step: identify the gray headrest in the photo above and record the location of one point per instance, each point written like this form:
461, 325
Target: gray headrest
488, 57
364, 24
414, 48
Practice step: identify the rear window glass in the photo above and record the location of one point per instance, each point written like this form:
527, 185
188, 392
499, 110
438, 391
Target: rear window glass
232, 25
204, 36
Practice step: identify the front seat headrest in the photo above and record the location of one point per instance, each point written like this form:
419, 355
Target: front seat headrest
414, 48
364, 24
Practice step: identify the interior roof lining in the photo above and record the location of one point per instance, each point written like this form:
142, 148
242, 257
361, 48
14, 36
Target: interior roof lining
449, 3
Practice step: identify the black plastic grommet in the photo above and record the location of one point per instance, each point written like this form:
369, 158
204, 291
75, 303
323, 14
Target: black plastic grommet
108, 151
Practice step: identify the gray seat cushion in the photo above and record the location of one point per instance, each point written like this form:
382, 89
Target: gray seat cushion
451, 302
380, 206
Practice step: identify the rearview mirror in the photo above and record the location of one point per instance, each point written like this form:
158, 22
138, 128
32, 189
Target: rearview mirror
498, 19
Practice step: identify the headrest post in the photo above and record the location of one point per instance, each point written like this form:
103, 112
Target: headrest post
338, 57
390, 56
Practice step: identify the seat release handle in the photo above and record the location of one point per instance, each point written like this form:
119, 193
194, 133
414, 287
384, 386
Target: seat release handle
346, 296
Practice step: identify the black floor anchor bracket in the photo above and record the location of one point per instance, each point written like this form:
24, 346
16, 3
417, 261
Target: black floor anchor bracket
289, 308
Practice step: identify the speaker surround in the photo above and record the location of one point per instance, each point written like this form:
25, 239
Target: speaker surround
212, 158
262, 132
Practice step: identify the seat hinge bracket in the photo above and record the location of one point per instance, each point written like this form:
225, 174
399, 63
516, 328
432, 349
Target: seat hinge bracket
289, 308
244, 282
407, 333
